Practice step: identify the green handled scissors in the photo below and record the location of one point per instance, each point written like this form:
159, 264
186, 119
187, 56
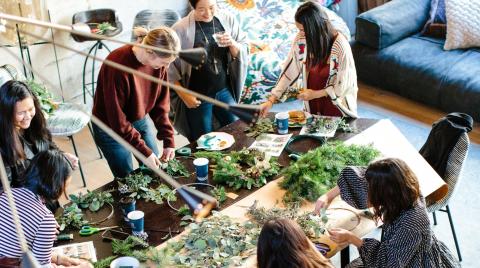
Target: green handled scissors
88, 230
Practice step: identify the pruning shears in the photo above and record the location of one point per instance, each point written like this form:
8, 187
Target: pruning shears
88, 230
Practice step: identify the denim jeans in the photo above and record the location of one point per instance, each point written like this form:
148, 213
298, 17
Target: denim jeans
118, 158
200, 119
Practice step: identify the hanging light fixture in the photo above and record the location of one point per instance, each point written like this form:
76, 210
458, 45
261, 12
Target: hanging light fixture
195, 57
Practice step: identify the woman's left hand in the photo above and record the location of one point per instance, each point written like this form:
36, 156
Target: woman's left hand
340, 236
73, 159
168, 154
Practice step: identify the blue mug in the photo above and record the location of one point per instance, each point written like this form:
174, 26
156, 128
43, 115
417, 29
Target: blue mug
136, 220
282, 122
201, 169
127, 204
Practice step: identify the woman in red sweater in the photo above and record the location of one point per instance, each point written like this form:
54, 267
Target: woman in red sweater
122, 101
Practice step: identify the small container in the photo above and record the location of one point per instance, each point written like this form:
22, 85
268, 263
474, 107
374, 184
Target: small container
282, 122
127, 205
217, 36
136, 219
124, 262
201, 169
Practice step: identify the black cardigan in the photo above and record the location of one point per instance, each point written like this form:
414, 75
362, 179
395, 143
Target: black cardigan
443, 137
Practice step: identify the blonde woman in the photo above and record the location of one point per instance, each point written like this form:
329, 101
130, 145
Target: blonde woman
122, 101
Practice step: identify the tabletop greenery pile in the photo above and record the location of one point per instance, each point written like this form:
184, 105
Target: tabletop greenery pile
138, 186
175, 168
263, 125
312, 225
241, 169
72, 217
316, 172
92, 200
217, 241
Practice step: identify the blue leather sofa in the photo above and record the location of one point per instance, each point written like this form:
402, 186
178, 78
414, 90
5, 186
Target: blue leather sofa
390, 53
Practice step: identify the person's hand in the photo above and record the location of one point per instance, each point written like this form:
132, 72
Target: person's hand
307, 94
322, 202
341, 236
153, 161
265, 107
168, 154
73, 160
191, 101
226, 40
57, 228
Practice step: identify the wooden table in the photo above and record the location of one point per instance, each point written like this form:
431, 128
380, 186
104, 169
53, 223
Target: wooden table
383, 134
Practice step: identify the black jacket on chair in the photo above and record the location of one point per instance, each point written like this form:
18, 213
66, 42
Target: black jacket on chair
443, 137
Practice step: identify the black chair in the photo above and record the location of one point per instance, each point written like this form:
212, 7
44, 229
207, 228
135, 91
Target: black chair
151, 19
449, 170
93, 18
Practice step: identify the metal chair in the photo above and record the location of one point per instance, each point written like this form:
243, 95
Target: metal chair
456, 160
151, 19
93, 18
67, 121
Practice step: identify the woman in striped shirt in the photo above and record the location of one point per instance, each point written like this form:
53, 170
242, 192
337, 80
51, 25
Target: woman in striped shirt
322, 57
45, 180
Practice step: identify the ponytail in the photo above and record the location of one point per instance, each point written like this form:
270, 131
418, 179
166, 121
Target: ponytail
161, 37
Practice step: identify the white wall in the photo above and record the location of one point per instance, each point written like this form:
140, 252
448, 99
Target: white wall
71, 64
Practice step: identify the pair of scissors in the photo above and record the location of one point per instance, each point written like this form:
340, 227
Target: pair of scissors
88, 230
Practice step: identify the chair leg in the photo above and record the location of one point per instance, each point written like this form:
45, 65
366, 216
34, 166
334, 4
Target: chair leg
434, 218
93, 137
454, 234
79, 165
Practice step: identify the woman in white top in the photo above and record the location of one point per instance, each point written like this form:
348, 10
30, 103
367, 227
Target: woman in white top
321, 55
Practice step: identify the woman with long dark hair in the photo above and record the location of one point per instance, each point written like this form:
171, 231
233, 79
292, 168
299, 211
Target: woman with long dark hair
321, 55
46, 180
283, 244
392, 189
23, 129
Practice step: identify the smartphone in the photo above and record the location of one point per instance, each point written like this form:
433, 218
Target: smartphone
112, 234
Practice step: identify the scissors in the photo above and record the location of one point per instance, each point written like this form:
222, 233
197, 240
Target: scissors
88, 230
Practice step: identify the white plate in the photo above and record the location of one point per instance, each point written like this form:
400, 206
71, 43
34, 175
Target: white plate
215, 141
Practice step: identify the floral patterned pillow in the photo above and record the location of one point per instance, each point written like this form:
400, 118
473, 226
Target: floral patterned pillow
270, 28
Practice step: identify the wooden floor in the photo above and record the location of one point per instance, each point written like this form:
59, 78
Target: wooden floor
406, 107
97, 172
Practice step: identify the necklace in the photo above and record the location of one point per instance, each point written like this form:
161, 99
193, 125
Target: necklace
208, 43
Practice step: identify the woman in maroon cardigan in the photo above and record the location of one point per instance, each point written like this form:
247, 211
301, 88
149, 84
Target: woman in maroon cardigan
122, 101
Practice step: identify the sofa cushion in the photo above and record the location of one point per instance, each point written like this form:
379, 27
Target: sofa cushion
463, 24
418, 68
461, 86
436, 25
379, 28
391, 22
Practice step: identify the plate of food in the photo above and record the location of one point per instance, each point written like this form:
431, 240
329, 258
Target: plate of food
215, 141
298, 118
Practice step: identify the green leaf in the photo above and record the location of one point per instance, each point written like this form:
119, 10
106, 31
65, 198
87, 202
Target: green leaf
95, 205
200, 244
